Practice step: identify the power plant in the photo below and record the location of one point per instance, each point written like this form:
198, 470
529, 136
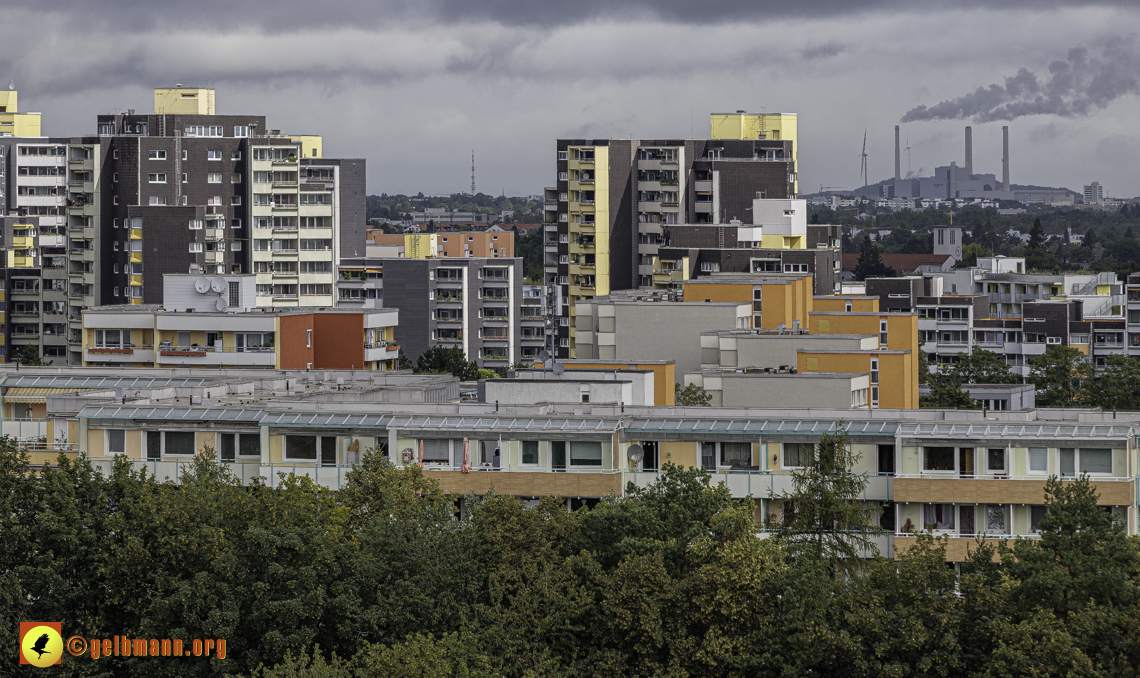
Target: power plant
953, 181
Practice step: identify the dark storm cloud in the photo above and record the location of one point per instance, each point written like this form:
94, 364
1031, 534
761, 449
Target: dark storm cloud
288, 15
1077, 86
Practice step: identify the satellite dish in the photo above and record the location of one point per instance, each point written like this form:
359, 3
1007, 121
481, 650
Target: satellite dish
544, 355
635, 454
220, 304
559, 368
218, 285
202, 285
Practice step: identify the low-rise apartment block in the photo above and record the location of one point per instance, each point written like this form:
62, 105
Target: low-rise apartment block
214, 322
964, 475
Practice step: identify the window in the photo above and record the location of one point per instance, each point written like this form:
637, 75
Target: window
195, 247
235, 245
213, 155
585, 453
995, 460
436, 451
530, 451
155, 155
938, 516
203, 130
1036, 515
235, 178
214, 178
995, 519
157, 200
116, 441
178, 442
883, 333
308, 338
196, 224
886, 459
938, 459
1038, 460
797, 455
157, 177
305, 448
241, 131
736, 454
235, 223
1094, 461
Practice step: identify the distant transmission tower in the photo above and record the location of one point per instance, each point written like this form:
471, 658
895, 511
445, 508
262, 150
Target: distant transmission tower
472, 171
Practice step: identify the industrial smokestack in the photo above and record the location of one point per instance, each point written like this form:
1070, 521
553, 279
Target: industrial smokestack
898, 165
1005, 157
969, 151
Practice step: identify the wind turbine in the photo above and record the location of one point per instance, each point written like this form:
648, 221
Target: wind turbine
863, 155
907, 149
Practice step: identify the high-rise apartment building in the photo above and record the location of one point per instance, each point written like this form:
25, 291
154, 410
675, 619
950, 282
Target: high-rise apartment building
1094, 193
615, 198
182, 190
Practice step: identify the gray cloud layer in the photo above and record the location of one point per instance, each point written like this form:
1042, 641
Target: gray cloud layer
287, 15
1076, 87
414, 86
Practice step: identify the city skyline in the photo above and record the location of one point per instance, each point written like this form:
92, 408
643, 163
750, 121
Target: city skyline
414, 89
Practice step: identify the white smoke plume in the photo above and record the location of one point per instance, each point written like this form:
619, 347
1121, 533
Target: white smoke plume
1075, 87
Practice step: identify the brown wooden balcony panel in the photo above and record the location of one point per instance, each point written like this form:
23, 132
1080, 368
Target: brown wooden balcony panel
998, 491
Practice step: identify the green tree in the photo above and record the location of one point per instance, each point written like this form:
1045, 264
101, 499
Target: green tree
1059, 375
376, 488
30, 355
824, 515
402, 361
691, 396
1036, 235
440, 360
946, 392
971, 252
1117, 386
980, 366
870, 264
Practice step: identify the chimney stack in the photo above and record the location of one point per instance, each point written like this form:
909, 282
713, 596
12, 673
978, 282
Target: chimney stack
969, 151
898, 165
1005, 157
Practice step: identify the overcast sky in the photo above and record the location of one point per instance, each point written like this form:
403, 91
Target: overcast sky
415, 86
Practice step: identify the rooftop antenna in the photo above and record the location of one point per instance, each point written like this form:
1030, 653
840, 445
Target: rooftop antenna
863, 155
472, 171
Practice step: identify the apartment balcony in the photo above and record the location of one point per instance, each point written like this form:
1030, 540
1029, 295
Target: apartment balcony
214, 357
649, 186
703, 186
993, 489
381, 350
958, 547
703, 207
110, 354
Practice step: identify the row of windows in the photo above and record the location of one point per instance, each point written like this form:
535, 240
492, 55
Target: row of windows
211, 178
160, 154
1067, 461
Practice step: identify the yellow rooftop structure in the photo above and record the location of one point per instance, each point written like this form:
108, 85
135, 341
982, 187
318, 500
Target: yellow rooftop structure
179, 100
745, 125
12, 122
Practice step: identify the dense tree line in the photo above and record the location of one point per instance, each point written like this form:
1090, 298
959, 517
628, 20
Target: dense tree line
391, 577
1110, 240
400, 206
